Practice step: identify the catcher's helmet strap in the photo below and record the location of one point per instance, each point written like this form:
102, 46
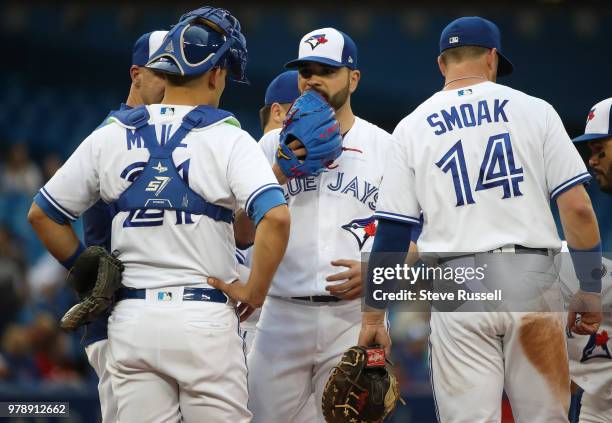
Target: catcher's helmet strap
159, 185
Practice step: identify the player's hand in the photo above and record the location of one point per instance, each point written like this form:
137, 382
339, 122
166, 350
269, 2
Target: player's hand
298, 149
374, 331
585, 314
300, 152
350, 289
244, 311
237, 291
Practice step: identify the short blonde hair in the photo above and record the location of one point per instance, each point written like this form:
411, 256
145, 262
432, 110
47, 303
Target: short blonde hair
462, 53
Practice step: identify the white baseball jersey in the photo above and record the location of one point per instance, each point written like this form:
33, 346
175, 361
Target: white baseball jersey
220, 162
331, 214
590, 355
482, 163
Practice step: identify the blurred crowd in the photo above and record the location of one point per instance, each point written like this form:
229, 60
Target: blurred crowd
33, 296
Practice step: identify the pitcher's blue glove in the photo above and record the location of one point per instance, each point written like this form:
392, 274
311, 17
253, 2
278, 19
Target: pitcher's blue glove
312, 121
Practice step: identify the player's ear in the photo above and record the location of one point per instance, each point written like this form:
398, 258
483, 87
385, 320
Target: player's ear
135, 75
277, 113
216, 77
354, 77
492, 58
442, 66
212, 78
492, 63
274, 112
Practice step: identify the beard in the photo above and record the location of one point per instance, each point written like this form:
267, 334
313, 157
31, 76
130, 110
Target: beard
606, 181
337, 100
340, 98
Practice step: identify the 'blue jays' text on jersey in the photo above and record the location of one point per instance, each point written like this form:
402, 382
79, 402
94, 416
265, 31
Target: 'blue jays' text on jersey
332, 213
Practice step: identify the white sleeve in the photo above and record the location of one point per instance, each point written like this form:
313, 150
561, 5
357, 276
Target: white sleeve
269, 144
75, 187
397, 195
249, 174
564, 166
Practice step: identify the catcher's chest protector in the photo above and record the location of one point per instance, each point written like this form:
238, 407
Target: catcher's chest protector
160, 186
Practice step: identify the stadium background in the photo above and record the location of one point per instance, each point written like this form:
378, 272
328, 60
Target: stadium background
65, 65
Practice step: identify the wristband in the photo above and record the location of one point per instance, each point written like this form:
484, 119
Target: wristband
587, 264
390, 247
69, 262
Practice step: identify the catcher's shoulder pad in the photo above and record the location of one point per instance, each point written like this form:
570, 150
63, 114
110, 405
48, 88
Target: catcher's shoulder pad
131, 118
312, 121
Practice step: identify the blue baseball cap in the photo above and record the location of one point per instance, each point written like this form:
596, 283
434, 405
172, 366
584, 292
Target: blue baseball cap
475, 31
598, 123
283, 89
327, 46
145, 46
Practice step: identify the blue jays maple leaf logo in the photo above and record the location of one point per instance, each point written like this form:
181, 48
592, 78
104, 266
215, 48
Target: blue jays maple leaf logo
591, 114
315, 40
361, 229
597, 347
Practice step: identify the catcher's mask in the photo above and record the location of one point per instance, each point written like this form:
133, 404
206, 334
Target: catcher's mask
203, 39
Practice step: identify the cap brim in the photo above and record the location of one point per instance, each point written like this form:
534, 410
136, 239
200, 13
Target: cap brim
591, 137
505, 66
310, 59
164, 65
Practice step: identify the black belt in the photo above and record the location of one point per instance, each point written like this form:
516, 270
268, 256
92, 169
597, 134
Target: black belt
189, 294
318, 299
519, 249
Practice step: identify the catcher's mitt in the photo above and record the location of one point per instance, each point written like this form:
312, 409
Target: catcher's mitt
312, 121
360, 388
95, 276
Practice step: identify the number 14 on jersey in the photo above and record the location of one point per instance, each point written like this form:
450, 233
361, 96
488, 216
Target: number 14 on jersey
497, 169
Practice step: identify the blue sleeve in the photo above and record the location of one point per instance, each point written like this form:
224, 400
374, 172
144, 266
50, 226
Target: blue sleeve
588, 267
69, 262
389, 250
97, 224
417, 229
393, 236
54, 212
265, 201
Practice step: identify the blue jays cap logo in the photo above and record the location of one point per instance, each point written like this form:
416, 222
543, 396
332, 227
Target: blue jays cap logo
315, 40
591, 114
361, 229
597, 347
